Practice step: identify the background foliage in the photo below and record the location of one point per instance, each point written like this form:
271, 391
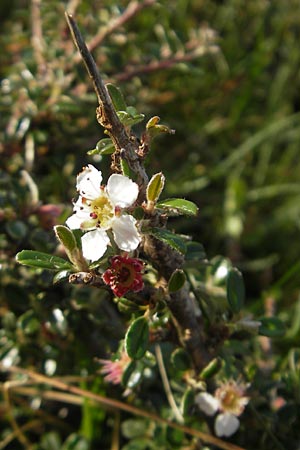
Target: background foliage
235, 153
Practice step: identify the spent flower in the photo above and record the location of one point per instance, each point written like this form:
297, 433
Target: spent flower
230, 400
101, 208
124, 274
113, 370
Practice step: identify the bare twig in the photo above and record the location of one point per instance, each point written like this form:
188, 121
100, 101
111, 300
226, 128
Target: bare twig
124, 143
117, 405
132, 10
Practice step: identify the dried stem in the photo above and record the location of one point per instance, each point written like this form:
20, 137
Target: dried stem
117, 405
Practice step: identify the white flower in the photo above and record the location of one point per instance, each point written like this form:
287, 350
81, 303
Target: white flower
99, 209
230, 400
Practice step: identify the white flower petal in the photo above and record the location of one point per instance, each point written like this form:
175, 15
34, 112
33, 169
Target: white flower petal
74, 222
122, 191
89, 182
226, 424
94, 244
207, 403
125, 233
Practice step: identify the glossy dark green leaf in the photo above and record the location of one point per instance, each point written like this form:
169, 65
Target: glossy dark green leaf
176, 281
176, 206
42, 260
137, 337
116, 97
171, 239
235, 290
271, 327
155, 187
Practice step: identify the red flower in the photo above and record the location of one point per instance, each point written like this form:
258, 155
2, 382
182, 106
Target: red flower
125, 274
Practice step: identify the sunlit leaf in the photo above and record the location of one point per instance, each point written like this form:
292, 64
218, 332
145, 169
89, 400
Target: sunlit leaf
155, 187
42, 260
179, 206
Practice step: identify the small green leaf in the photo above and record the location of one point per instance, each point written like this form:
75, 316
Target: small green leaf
171, 239
130, 117
51, 441
75, 442
152, 122
29, 323
132, 428
16, 229
116, 97
128, 306
177, 280
271, 327
153, 129
211, 369
42, 260
178, 206
188, 402
137, 337
128, 371
66, 237
125, 168
181, 360
103, 147
235, 290
195, 251
61, 276
155, 187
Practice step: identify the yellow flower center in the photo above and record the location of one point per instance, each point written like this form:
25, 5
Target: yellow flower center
102, 211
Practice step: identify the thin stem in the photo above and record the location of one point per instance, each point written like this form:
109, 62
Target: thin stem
166, 384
